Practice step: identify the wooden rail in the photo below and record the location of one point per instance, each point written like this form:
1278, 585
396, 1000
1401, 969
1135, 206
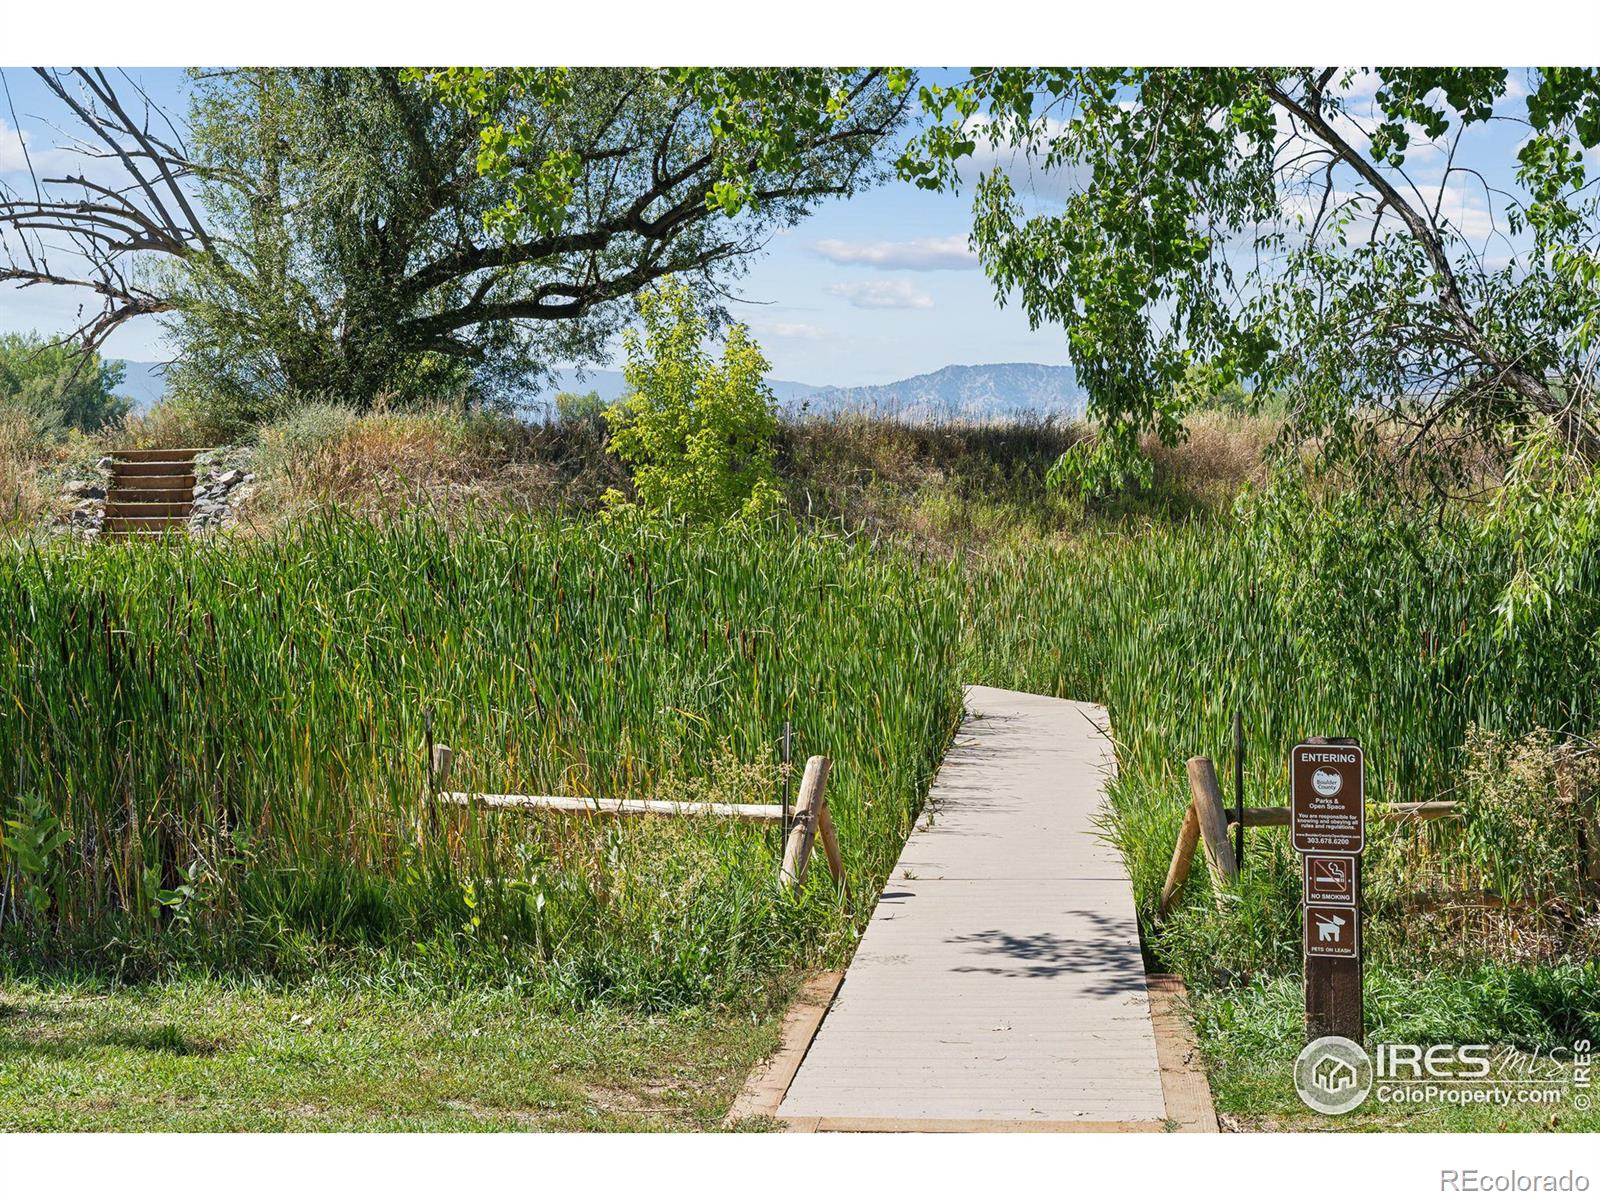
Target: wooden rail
1207, 819
811, 818
604, 806
1432, 810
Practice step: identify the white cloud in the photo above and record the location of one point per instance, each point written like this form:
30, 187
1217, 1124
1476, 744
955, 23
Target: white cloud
882, 293
923, 254
1363, 85
1519, 86
17, 150
790, 329
1466, 207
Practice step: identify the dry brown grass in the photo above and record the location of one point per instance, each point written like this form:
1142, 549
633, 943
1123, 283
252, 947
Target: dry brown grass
381, 463
936, 486
26, 458
1223, 453
944, 486
22, 501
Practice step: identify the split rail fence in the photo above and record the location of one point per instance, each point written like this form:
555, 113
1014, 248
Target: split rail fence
1207, 822
809, 823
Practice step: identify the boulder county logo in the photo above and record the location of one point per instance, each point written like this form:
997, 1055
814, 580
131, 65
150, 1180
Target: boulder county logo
1325, 781
1333, 1075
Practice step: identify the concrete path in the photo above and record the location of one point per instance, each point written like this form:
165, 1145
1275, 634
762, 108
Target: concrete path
999, 979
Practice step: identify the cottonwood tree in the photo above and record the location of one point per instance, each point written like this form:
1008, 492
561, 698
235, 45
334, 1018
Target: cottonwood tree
372, 233
1301, 232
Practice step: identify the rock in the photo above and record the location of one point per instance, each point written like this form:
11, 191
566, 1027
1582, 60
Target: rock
84, 490
228, 478
106, 463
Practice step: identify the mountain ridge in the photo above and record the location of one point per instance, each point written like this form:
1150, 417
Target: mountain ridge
957, 392
982, 391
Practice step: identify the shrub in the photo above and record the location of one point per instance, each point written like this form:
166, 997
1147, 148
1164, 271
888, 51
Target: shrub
1525, 801
291, 445
699, 436
578, 406
31, 446
181, 420
58, 385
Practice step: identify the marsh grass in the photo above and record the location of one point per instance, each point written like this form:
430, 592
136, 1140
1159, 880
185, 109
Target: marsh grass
216, 749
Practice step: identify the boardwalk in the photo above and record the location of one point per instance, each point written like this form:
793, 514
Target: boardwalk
1000, 978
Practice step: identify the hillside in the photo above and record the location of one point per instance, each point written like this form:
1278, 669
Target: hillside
983, 392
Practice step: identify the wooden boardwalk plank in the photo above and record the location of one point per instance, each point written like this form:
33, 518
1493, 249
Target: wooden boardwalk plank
1000, 978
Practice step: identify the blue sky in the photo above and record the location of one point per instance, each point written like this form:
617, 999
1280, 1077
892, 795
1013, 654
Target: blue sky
866, 290
880, 287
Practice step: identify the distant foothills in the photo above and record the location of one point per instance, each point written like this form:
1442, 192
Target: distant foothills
989, 392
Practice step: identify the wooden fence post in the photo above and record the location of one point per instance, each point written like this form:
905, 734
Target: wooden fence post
802, 831
438, 776
1182, 859
1207, 805
830, 849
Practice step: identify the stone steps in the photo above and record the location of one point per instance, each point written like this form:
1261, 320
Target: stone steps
144, 525
123, 506
151, 493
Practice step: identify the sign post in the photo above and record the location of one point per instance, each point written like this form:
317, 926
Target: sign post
1328, 828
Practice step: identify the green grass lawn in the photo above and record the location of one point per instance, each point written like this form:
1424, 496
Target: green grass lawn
205, 1056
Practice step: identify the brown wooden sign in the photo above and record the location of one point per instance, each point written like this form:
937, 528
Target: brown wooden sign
1329, 878
1327, 819
1327, 799
1333, 931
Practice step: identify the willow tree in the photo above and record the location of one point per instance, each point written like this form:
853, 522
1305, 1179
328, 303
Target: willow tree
1298, 232
404, 234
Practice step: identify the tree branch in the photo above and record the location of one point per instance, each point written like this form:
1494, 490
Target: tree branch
1531, 388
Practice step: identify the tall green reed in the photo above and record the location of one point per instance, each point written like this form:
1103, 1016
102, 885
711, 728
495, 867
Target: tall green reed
230, 734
